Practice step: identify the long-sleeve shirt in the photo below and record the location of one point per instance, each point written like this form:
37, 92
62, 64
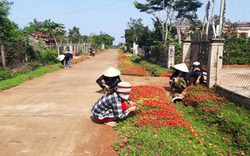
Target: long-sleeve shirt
68, 56
110, 81
109, 106
195, 74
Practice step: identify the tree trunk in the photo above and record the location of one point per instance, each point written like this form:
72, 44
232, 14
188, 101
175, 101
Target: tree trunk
166, 34
3, 55
178, 29
57, 47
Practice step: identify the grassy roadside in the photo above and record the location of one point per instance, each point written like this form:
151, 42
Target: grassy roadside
8, 83
20, 78
139, 66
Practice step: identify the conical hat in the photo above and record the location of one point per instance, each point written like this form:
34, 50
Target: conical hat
61, 57
111, 72
181, 67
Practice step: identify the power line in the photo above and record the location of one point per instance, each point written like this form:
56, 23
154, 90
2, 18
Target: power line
83, 10
244, 13
239, 9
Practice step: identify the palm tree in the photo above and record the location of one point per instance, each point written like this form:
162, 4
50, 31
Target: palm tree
53, 29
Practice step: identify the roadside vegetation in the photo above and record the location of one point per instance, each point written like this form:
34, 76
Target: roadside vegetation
10, 78
20, 77
140, 66
203, 124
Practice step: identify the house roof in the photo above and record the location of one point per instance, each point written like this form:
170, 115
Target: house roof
41, 35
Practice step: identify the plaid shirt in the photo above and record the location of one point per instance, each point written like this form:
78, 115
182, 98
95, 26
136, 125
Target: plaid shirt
109, 106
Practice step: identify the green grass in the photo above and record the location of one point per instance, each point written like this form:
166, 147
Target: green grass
8, 83
212, 139
151, 68
224, 130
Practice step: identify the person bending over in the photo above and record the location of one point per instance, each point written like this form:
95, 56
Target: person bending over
109, 79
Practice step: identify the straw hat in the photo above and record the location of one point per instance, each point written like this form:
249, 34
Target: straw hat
181, 67
123, 89
111, 72
61, 57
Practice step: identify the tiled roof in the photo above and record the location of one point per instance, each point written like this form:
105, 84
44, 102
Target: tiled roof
42, 35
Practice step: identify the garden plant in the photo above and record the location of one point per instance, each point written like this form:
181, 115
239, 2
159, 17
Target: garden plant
204, 123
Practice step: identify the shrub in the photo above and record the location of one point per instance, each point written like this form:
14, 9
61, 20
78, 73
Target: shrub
48, 56
136, 58
5, 73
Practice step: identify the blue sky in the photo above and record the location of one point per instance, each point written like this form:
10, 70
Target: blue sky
107, 16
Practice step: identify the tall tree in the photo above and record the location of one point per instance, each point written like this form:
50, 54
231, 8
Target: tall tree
33, 26
136, 34
4, 11
128, 38
136, 27
74, 34
103, 39
169, 13
54, 29
185, 14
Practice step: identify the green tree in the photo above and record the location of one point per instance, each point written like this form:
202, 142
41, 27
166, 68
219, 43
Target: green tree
4, 9
136, 27
54, 29
137, 33
106, 39
169, 13
33, 26
10, 35
13, 45
128, 38
74, 34
103, 39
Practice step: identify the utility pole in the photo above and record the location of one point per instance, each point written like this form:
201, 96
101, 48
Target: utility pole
222, 15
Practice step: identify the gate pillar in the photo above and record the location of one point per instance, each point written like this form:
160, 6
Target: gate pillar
186, 51
215, 55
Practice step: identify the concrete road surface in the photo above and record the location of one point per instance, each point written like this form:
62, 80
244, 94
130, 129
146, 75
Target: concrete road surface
50, 115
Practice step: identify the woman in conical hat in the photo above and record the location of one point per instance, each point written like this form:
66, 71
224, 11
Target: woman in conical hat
109, 79
178, 79
181, 67
66, 58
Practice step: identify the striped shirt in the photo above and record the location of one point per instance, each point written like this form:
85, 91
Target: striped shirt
109, 106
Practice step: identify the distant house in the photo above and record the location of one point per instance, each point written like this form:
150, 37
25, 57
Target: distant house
232, 30
47, 40
240, 29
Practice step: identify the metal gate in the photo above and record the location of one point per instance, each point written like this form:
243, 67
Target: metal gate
199, 51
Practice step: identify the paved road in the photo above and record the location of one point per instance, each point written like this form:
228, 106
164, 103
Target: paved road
50, 115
